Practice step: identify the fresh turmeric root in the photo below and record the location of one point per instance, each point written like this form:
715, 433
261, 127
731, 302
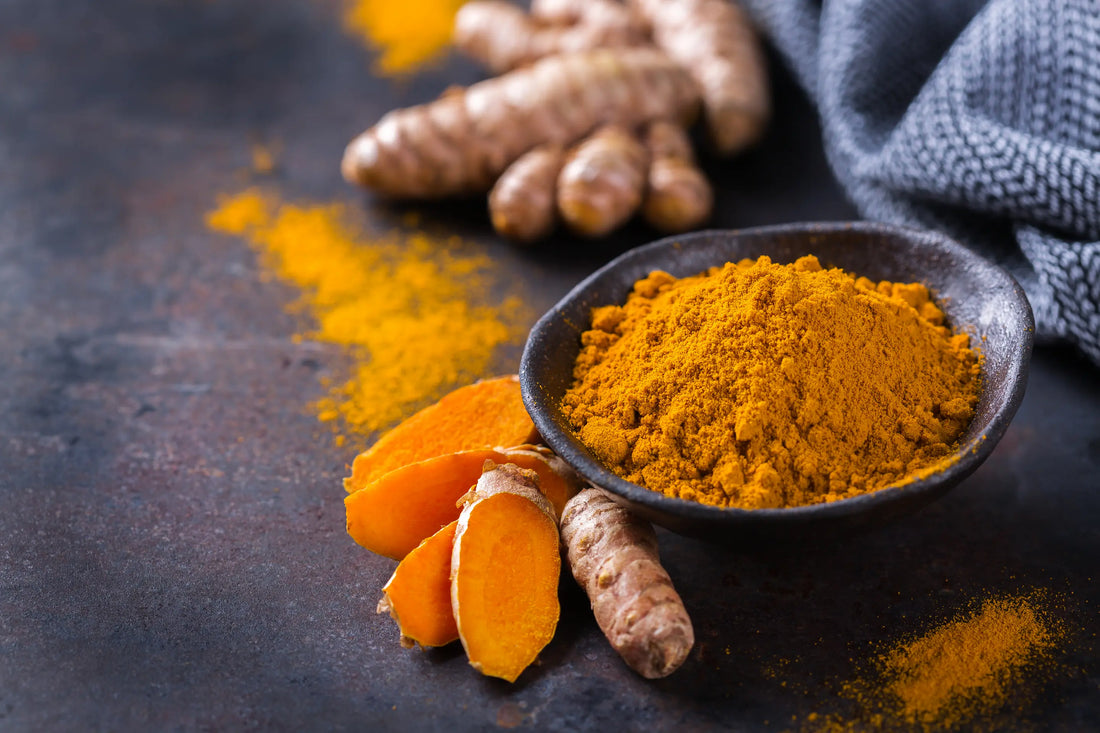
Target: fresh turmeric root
601, 184
715, 41
600, 13
418, 595
394, 513
484, 414
462, 142
523, 202
613, 556
502, 37
505, 566
678, 196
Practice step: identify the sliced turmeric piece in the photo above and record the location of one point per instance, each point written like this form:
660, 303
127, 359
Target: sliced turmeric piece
480, 415
418, 595
393, 514
504, 572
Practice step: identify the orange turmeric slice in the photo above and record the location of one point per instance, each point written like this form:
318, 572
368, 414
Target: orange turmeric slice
418, 595
505, 566
480, 415
393, 514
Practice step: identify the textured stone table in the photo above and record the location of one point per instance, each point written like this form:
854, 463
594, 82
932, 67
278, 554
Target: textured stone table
172, 550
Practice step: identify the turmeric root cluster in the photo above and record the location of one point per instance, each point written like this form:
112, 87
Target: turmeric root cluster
586, 122
481, 564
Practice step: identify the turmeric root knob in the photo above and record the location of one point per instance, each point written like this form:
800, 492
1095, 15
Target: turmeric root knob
602, 183
613, 556
678, 196
523, 202
502, 37
716, 41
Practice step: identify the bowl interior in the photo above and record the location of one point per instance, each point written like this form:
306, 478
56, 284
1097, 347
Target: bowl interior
977, 296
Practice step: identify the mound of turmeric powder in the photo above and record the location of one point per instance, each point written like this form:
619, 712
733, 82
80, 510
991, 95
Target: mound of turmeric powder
760, 385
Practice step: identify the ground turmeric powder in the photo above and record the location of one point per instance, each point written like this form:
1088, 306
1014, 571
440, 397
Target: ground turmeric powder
759, 385
975, 672
410, 307
409, 34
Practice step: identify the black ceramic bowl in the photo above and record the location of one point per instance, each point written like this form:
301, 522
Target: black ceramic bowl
977, 296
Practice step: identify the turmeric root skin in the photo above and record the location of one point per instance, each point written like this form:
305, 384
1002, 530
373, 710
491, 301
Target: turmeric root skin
678, 196
715, 40
602, 183
502, 37
523, 202
613, 556
463, 141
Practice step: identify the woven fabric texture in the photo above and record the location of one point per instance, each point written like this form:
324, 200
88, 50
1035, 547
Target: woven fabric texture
977, 118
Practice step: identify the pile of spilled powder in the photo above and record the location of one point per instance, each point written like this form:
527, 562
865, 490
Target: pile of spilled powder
408, 33
413, 310
761, 385
973, 672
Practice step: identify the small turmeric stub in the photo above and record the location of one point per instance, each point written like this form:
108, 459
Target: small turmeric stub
764, 385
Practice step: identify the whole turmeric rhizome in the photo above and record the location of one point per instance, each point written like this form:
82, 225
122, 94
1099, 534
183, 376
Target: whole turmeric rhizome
482, 564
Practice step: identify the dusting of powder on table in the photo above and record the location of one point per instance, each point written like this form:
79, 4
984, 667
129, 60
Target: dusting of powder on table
415, 310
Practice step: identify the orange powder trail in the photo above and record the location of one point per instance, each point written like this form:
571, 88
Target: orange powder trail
409, 33
412, 309
976, 672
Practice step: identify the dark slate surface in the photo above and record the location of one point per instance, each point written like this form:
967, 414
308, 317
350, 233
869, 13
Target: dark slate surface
172, 551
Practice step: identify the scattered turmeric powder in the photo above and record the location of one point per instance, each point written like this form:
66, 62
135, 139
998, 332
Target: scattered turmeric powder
409, 34
964, 674
264, 158
410, 307
763, 385
963, 667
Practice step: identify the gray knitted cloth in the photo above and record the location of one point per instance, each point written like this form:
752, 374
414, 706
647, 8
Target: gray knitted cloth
978, 118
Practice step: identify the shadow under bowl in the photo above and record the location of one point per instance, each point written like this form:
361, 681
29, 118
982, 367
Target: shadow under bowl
977, 296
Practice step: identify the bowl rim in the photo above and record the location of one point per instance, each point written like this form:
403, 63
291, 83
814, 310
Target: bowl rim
969, 455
